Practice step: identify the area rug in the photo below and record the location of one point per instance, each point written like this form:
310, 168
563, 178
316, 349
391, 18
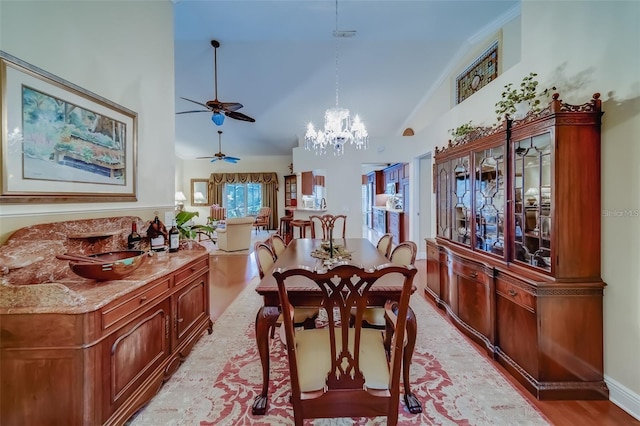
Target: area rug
219, 380
213, 249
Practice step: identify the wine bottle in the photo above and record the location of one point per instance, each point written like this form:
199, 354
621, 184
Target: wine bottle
133, 240
157, 234
174, 237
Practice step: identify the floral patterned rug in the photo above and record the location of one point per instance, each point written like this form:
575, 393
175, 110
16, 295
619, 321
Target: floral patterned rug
219, 380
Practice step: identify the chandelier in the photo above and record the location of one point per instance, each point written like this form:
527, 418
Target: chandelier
339, 129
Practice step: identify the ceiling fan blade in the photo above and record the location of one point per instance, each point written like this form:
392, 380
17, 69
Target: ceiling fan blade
239, 116
213, 160
203, 158
231, 106
195, 110
231, 159
195, 102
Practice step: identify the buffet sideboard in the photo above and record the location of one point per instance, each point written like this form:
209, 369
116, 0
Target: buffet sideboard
75, 351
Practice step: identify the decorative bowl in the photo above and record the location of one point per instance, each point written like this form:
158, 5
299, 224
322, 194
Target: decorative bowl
115, 265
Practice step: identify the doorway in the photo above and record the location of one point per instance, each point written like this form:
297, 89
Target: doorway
424, 192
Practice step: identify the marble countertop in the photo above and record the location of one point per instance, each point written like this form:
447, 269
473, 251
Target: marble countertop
74, 294
33, 280
388, 209
301, 209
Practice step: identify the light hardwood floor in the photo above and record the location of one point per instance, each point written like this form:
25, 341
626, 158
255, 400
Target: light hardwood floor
231, 274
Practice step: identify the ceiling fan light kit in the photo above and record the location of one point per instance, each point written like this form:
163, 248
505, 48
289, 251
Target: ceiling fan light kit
338, 127
217, 108
217, 118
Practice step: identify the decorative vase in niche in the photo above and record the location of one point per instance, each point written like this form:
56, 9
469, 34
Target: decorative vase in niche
522, 109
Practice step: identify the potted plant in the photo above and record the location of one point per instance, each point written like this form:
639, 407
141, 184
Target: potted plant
462, 130
516, 102
189, 230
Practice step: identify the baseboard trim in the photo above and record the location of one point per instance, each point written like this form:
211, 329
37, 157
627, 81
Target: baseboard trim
623, 397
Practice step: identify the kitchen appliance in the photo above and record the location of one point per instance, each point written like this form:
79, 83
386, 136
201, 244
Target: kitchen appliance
391, 188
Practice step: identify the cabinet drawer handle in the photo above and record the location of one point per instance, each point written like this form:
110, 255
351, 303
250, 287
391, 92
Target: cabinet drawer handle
473, 275
179, 319
193, 269
143, 299
512, 292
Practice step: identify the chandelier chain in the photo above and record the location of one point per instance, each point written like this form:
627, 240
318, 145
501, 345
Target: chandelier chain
335, 36
339, 129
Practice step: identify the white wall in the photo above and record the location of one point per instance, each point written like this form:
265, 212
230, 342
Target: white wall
122, 51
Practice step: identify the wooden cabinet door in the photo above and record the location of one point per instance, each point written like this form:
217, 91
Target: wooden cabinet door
133, 353
307, 183
433, 270
474, 305
191, 307
516, 322
394, 226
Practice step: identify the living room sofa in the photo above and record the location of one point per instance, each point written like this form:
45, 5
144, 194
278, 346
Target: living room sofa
235, 235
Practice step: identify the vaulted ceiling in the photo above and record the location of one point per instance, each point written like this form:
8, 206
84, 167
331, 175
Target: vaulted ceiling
278, 58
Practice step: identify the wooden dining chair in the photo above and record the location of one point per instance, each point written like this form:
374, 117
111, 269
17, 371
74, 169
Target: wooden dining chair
345, 370
322, 225
278, 244
265, 257
384, 245
404, 253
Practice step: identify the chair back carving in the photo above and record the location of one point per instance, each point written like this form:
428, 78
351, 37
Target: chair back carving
278, 244
345, 369
384, 245
321, 226
265, 258
404, 253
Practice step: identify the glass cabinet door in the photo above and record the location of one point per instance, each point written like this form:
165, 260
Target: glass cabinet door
461, 200
532, 201
490, 200
444, 199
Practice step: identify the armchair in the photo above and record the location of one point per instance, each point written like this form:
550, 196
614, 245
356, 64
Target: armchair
235, 234
262, 218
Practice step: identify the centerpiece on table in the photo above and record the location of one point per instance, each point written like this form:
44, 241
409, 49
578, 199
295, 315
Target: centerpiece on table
330, 252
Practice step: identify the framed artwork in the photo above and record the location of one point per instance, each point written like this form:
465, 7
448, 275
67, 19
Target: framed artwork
477, 75
62, 143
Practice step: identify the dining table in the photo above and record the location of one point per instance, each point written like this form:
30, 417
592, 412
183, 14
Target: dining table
299, 253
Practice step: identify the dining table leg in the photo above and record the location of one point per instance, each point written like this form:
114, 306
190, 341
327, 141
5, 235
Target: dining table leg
412, 402
265, 319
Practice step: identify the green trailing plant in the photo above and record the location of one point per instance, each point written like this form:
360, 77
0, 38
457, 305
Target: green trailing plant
462, 130
187, 229
526, 92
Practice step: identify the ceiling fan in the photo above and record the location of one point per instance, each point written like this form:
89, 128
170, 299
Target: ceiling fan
219, 155
230, 109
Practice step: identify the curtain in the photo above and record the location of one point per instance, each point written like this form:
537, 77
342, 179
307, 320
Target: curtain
269, 181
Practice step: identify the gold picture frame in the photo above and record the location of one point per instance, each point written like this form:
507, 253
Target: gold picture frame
60, 142
200, 192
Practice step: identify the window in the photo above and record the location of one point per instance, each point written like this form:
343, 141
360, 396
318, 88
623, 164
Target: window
242, 199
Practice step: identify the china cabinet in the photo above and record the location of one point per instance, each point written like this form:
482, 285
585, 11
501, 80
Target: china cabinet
516, 258
290, 191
